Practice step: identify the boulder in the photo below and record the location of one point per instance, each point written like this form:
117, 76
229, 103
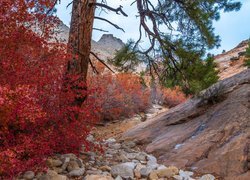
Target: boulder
52, 175
54, 162
168, 172
207, 177
125, 170
98, 177
153, 176
29, 175
73, 165
208, 133
77, 172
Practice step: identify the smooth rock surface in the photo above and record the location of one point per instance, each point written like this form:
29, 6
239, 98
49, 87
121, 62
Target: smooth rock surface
213, 130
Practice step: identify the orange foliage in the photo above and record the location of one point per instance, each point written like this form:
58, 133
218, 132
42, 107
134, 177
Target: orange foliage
171, 97
119, 95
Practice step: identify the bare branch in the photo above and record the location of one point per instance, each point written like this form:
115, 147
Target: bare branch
69, 4
101, 61
97, 29
117, 10
115, 25
93, 67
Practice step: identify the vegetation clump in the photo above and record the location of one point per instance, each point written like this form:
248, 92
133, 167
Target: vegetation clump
247, 55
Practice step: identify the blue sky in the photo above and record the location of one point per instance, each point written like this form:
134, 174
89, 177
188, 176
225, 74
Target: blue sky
232, 27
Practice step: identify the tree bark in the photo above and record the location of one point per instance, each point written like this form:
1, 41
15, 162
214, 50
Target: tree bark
80, 36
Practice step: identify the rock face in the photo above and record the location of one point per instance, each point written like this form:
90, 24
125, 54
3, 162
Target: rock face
105, 48
231, 62
208, 134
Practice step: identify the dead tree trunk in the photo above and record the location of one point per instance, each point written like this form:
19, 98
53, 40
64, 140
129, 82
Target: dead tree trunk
79, 44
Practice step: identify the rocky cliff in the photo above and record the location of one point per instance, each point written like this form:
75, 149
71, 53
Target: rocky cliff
231, 62
105, 48
209, 133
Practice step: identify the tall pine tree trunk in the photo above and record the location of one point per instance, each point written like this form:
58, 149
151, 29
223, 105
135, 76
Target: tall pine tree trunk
81, 27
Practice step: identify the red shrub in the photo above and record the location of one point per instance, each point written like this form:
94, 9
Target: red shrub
171, 97
37, 116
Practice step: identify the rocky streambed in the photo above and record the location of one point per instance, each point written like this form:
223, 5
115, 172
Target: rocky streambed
120, 160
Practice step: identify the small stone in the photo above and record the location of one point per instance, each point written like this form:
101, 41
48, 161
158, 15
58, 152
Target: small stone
129, 144
137, 171
66, 162
144, 162
77, 172
207, 177
145, 171
110, 141
58, 170
151, 158
186, 174
141, 157
52, 175
123, 158
98, 177
177, 177
73, 165
125, 170
54, 162
29, 175
90, 138
152, 162
111, 151
135, 161
131, 155
153, 176
105, 173
168, 172
161, 167
70, 155
94, 172
118, 178
105, 168
80, 163
115, 146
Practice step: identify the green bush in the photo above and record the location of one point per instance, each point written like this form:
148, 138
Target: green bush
247, 61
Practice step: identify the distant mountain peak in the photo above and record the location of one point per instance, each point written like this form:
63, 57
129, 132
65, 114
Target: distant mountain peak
107, 38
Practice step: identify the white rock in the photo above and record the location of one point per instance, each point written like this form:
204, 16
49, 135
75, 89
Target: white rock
131, 155
151, 158
160, 167
98, 177
145, 171
207, 177
118, 178
90, 138
66, 162
110, 141
186, 175
125, 170
77, 172
177, 177
29, 175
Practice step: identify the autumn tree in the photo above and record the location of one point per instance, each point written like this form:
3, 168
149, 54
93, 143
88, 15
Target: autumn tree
37, 115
